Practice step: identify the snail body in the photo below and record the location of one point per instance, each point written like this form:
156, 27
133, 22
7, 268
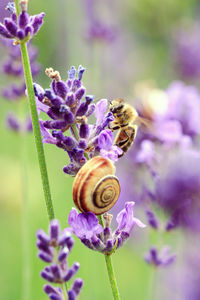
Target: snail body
95, 187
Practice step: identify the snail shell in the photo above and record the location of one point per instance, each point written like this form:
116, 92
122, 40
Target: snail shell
95, 187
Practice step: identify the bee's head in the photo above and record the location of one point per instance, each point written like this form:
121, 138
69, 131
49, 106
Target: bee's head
116, 105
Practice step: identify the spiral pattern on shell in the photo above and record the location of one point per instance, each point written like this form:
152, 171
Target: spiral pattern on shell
95, 187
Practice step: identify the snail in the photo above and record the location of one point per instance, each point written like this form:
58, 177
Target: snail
95, 187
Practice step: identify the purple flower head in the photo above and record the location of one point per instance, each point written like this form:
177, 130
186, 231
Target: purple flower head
56, 247
69, 108
22, 28
87, 228
164, 258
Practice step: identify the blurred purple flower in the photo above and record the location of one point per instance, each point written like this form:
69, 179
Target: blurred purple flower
13, 122
184, 107
187, 51
164, 258
54, 250
12, 66
152, 219
97, 30
173, 113
86, 227
146, 153
178, 189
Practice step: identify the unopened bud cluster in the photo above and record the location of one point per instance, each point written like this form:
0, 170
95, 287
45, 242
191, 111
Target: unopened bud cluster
69, 107
20, 28
54, 250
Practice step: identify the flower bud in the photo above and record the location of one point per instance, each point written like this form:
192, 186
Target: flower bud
61, 89
80, 93
23, 19
84, 131
11, 26
70, 99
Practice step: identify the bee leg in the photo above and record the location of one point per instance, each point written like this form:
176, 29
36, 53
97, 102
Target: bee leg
114, 126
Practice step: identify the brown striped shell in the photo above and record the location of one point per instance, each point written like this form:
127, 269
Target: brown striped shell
95, 187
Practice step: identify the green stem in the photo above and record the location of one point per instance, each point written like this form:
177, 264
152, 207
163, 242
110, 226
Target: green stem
64, 291
111, 274
17, 7
36, 130
101, 220
112, 278
75, 131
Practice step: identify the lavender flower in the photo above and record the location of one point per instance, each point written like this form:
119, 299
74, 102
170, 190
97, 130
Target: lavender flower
12, 122
152, 219
167, 111
22, 28
12, 66
186, 51
69, 107
87, 228
164, 258
178, 189
54, 249
98, 30
184, 107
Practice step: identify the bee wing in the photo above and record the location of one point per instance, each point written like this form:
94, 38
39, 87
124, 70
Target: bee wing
143, 121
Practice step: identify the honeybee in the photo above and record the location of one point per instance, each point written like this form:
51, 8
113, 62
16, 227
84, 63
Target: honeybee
125, 118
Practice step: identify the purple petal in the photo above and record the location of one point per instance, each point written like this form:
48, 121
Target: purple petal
105, 139
47, 137
126, 220
100, 110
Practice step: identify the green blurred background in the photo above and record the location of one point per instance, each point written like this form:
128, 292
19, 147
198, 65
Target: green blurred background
142, 50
